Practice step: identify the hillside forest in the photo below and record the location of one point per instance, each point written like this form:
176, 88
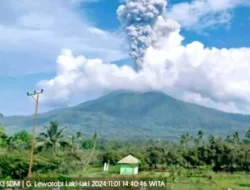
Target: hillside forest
57, 154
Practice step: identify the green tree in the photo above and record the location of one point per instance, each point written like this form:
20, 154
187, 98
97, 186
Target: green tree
153, 158
22, 139
174, 158
236, 138
186, 139
1, 130
199, 137
78, 139
75, 141
1, 127
110, 158
53, 137
3, 137
23, 136
248, 134
211, 138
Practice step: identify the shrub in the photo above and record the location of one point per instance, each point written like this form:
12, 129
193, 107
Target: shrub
110, 157
16, 164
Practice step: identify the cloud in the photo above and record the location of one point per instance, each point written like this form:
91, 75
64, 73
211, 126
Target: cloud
201, 14
42, 28
217, 78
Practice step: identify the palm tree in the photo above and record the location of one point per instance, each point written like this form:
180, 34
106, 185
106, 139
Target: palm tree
248, 134
200, 134
228, 139
52, 138
199, 137
211, 139
75, 141
185, 139
236, 137
79, 139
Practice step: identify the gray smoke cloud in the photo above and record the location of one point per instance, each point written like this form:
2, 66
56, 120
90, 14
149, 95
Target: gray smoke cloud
139, 17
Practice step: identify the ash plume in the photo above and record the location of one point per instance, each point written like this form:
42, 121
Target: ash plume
139, 17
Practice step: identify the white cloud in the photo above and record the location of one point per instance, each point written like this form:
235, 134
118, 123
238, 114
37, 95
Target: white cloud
200, 14
42, 28
199, 99
217, 78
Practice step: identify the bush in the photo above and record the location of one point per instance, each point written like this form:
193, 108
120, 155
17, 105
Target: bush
110, 157
13, 165
16, 164
67, 167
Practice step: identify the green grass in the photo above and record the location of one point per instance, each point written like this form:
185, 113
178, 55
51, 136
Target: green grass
187, 180
220, 181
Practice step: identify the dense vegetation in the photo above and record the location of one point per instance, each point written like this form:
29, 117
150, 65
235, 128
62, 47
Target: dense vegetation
128, 115
60, 154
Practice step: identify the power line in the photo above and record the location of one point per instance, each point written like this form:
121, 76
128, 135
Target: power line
35, 96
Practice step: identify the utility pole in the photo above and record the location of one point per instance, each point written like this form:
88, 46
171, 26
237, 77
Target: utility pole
35, 96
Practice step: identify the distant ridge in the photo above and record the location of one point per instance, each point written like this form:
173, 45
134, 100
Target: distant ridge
130, 115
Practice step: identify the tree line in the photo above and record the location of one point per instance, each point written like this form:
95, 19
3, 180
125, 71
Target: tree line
62, 154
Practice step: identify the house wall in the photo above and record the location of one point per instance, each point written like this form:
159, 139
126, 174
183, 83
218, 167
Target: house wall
128, 169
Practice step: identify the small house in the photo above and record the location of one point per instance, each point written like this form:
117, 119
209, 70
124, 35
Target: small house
129, 165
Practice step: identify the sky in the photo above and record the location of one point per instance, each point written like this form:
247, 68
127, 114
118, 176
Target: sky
77, 50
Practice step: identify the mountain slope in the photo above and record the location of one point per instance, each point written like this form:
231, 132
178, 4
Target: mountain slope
130, 115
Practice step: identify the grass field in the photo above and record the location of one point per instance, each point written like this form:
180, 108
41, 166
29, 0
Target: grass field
184, 180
